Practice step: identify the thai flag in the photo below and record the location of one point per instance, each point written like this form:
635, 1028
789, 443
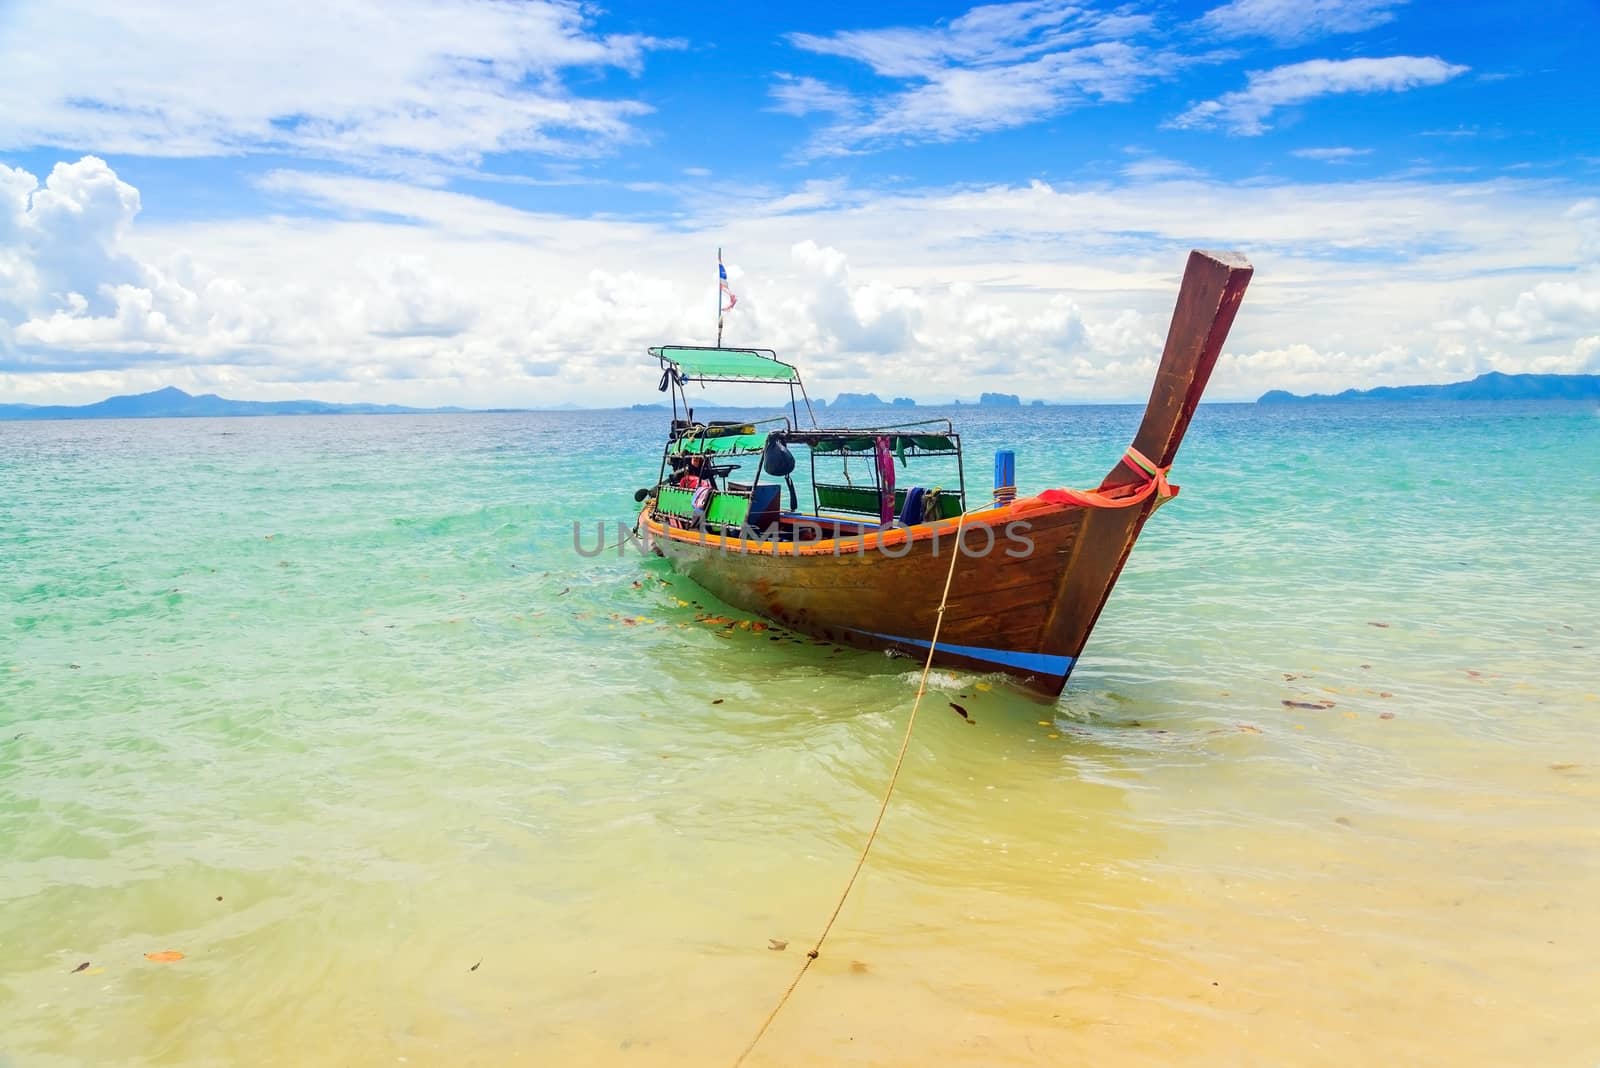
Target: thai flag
722, 273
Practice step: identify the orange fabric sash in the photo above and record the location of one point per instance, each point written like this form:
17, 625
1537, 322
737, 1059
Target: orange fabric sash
1155, 483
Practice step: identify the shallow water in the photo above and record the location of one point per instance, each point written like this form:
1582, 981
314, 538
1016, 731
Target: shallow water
332, 707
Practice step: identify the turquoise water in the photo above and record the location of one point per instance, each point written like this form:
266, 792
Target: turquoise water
332, 707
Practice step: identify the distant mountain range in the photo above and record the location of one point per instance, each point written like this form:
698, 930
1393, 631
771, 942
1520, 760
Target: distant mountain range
1491, 386
171, 403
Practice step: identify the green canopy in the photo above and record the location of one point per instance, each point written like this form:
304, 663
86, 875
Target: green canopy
731, 443
901, 443
746, 365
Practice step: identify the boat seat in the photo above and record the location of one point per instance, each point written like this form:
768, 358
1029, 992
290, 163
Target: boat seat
765, 506
858, 500
863, 500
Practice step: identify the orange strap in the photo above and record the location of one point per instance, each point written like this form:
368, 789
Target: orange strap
1155, 482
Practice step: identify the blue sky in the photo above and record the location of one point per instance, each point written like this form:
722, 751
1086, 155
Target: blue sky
453, 201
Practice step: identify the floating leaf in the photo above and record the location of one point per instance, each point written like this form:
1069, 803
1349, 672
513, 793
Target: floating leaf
859, 967
718, 701
81, 968
1562, 767
1386, 715
166, 956
637, 586
777, 944
475, 966
1380, 626
982, 686
959, 710
1385, 693
758, 627
1248, 729
1313, 705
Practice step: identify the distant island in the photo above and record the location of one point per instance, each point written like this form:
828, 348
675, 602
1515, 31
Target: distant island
1490, 386
171, 403
860, 400
1000, 400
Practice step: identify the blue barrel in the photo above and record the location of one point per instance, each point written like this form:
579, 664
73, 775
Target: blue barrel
1005, 476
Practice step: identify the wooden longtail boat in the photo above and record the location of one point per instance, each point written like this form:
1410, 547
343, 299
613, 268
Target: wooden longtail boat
867, 565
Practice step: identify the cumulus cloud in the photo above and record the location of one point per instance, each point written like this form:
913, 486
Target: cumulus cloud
1294, 21
1560, 317
1549, 311
379, 290
1245, 111
997, 66
442, 80
58, 236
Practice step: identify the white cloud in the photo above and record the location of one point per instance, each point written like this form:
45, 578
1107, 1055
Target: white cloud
1549, 311
1556, 321
995, 33
62, 242
442, 80
1341, 154
1587, 353
1294, 21
995, 67
1246, 111
1148, 168
804, 95
1585, 217
377, 290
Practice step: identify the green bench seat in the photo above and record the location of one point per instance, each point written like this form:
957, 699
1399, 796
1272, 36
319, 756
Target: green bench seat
863, 500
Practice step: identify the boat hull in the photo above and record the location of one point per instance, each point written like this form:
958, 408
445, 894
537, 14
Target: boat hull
882, 591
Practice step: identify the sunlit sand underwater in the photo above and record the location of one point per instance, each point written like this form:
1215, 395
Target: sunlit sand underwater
331, 707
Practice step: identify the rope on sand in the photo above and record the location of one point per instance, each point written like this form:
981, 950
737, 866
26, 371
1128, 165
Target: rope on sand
872, 836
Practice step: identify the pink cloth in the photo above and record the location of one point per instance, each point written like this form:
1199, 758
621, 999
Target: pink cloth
885, 480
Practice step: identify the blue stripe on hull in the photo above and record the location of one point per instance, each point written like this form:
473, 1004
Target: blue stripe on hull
1039, 663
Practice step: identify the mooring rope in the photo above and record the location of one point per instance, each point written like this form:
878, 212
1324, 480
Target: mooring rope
872, 835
